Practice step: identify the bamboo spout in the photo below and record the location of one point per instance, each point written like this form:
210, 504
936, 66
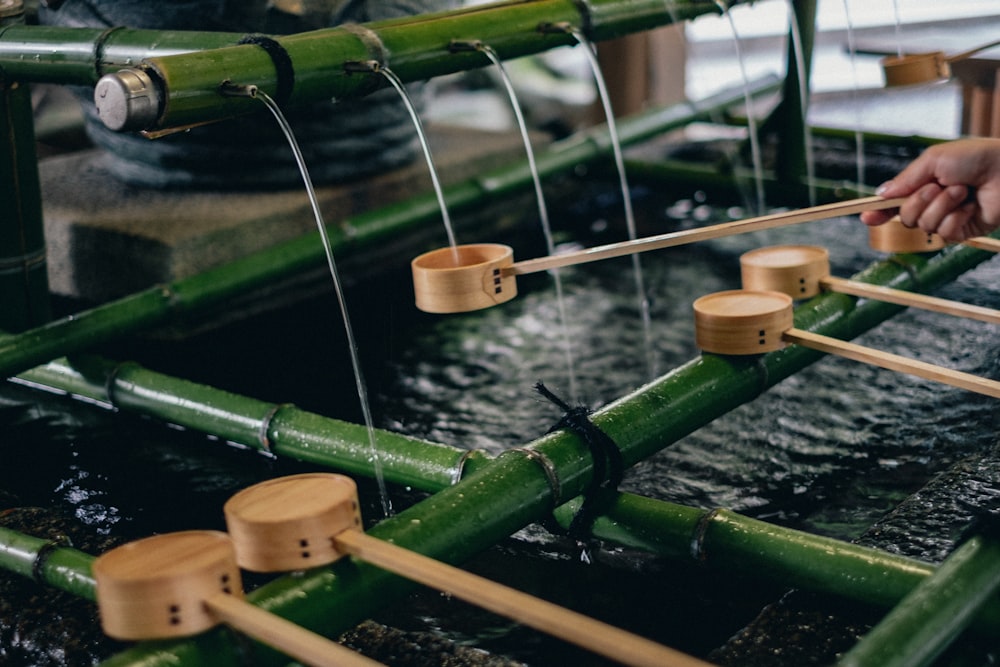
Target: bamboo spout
444, 279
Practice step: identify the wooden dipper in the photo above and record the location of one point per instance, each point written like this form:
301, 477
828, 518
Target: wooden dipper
923, 67
804, 271
463, 278
894, 236
180, 584
742, 322
320, 516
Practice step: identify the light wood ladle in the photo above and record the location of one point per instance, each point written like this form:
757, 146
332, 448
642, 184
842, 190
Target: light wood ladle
308, 520
743, 322
803, 271
924, 67
180, 584
470, 277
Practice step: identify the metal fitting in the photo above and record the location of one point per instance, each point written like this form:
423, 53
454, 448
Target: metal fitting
127, 100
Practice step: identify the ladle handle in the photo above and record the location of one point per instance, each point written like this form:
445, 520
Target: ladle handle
983, 243
971, 52
703, 234
601, 638
893, 362
289, 638
904, 298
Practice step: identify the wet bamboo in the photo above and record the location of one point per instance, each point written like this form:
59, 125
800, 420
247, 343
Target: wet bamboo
279, 429
81, 56
202, 291
49, 563
515, 489
934, 613
24, 285
414, 48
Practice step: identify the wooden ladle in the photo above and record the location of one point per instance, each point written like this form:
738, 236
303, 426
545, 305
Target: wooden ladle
312, 519
742, 322
469, 277
180, 584
803, 271
924, 67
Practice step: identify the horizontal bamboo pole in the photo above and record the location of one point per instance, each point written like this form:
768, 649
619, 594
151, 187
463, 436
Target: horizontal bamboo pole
519, 487
280, 430
936, 612
81, 56
216, 286
414, 48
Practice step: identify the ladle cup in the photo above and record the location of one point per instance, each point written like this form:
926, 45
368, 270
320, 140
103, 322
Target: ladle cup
469, 277
312, 519
924, 67
803, 271
744, 322
180, 584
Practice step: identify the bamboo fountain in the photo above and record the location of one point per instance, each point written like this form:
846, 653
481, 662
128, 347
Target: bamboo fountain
177, 85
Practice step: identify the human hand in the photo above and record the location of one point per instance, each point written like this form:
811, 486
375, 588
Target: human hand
952, 189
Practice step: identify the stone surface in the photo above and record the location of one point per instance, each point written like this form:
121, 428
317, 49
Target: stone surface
107, 239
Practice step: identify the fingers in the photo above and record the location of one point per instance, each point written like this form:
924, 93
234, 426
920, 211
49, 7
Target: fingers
936, 209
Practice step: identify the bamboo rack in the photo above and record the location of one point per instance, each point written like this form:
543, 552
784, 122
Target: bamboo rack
202, 291
657, 415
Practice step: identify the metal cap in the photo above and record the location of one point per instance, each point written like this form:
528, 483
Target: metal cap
127, 100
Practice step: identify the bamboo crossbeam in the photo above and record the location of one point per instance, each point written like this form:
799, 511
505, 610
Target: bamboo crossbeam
202, 291
187, 86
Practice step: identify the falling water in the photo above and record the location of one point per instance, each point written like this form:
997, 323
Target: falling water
351, 343
859, 137
543, 212
758, 168
398, 85
898, 29
616, 147
800, 66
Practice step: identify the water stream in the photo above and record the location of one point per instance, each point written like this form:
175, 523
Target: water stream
859, 137
352, 345
758, 162
543, 214
422, 136
803, 80
640, 288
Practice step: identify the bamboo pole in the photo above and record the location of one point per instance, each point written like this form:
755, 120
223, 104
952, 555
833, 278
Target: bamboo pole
24, 285
187, 85
277, 429
205, 290
934, 613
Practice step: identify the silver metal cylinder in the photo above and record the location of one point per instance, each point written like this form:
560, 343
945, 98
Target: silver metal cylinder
127, 100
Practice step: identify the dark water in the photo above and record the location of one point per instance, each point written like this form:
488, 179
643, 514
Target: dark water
831, 450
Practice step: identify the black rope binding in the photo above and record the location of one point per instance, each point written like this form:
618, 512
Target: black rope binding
283, 68
608, 468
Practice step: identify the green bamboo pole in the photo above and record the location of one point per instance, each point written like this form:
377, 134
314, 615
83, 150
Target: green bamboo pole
516, 488
48, 562
934, 613
81, 56
187, 86
205, 290
24, 284
791, 114
279, 429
